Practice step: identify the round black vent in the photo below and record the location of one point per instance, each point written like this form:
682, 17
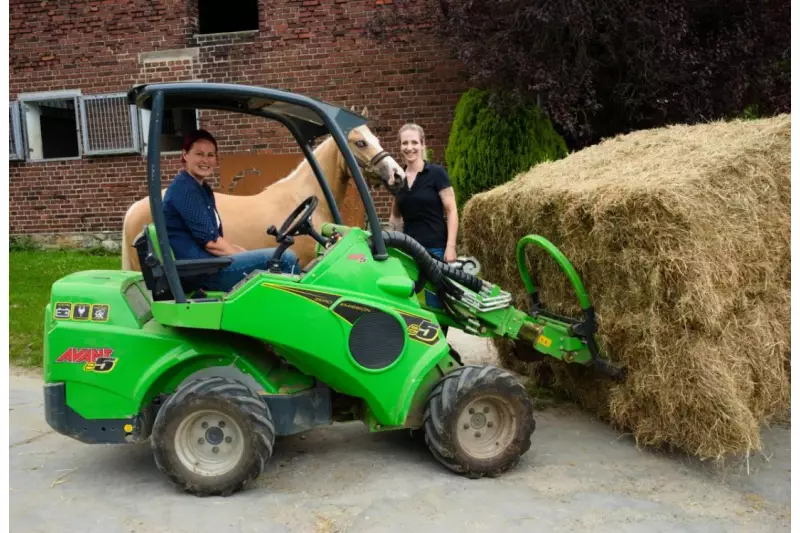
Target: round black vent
376, 340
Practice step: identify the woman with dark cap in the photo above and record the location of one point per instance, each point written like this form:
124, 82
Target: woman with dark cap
193, 223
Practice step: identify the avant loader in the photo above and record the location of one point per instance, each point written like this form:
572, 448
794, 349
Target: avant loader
355, 335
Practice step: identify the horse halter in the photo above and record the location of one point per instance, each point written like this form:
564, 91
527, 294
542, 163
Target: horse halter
380, 156
377, 158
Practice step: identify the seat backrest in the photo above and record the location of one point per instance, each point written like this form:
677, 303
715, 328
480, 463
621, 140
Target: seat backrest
150, 229
191, 272
151, 261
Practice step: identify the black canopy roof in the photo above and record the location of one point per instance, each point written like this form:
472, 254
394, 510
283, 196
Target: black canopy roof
307, 114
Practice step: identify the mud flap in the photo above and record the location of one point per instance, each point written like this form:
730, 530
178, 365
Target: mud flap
301, 411
62, 418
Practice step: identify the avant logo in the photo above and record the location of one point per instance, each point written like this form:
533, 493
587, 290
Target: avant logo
93, 359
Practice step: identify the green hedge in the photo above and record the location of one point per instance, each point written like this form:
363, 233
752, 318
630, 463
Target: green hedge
490, 144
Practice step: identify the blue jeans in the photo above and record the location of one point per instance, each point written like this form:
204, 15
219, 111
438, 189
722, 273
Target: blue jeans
431, 299
438, 252
246, 262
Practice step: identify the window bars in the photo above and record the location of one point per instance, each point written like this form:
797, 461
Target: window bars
109, 124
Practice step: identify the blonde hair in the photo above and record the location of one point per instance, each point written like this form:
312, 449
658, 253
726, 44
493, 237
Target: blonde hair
415, 127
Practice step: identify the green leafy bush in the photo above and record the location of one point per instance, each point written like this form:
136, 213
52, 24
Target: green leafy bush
601, 69
493, 139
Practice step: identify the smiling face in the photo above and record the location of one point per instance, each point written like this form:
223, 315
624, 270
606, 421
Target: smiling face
201, 159
412, 146
365, 147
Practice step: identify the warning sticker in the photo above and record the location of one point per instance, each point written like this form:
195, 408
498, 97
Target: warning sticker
80, 312
99, 313
62, 310
544, 341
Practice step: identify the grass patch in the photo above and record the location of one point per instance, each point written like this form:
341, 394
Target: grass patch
22, 244
31, 274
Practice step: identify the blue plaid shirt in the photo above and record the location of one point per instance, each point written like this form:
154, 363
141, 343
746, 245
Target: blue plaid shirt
191, 217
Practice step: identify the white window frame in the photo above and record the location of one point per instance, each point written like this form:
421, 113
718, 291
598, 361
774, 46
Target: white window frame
15, 132
135, 146
27, 101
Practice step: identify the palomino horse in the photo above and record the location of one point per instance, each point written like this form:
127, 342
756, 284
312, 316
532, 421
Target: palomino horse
245, 219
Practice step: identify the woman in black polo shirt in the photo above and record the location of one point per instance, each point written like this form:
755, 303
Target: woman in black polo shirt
425, 208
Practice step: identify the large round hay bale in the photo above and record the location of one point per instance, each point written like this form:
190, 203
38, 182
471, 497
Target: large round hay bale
682, 238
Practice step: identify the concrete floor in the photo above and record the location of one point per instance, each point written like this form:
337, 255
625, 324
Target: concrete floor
580, 475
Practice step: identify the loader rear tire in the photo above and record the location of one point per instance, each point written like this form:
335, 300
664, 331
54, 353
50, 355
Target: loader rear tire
479, 421
213, 437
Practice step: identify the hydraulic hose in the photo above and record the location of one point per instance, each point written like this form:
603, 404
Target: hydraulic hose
473, 283
427, 264
430, 267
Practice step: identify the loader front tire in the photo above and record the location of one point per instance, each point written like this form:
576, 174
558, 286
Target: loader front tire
213, 437
479, 421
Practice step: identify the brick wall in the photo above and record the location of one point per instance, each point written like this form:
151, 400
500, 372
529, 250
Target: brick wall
314, 47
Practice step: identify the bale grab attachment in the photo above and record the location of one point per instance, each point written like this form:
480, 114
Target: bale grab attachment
565, 338
537, 333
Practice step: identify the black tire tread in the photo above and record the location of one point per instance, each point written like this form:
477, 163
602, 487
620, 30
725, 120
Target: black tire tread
440, 410
252, 406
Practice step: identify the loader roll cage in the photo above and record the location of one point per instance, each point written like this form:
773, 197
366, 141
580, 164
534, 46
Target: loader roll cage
306, 118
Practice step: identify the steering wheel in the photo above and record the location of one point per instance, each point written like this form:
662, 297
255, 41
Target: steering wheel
297, 223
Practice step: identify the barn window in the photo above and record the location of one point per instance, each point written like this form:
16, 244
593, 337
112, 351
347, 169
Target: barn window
49, 122
176, 124
15, 146
221, 17
109, 124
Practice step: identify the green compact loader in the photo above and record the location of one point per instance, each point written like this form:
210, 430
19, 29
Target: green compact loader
354, 336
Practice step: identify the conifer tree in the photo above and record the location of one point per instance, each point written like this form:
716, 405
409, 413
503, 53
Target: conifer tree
492, 140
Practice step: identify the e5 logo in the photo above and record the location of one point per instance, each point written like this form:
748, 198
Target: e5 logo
103, 364
424, 331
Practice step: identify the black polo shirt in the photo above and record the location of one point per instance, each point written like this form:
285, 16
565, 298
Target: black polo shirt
422, 209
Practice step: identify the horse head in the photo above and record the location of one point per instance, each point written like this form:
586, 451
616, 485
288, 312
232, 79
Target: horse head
375, 162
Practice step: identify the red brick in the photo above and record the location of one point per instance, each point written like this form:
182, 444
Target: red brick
310, 47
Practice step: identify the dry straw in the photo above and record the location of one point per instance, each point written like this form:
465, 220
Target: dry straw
682, 238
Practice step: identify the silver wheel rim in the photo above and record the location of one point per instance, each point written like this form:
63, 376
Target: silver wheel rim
209, 443
486, 427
